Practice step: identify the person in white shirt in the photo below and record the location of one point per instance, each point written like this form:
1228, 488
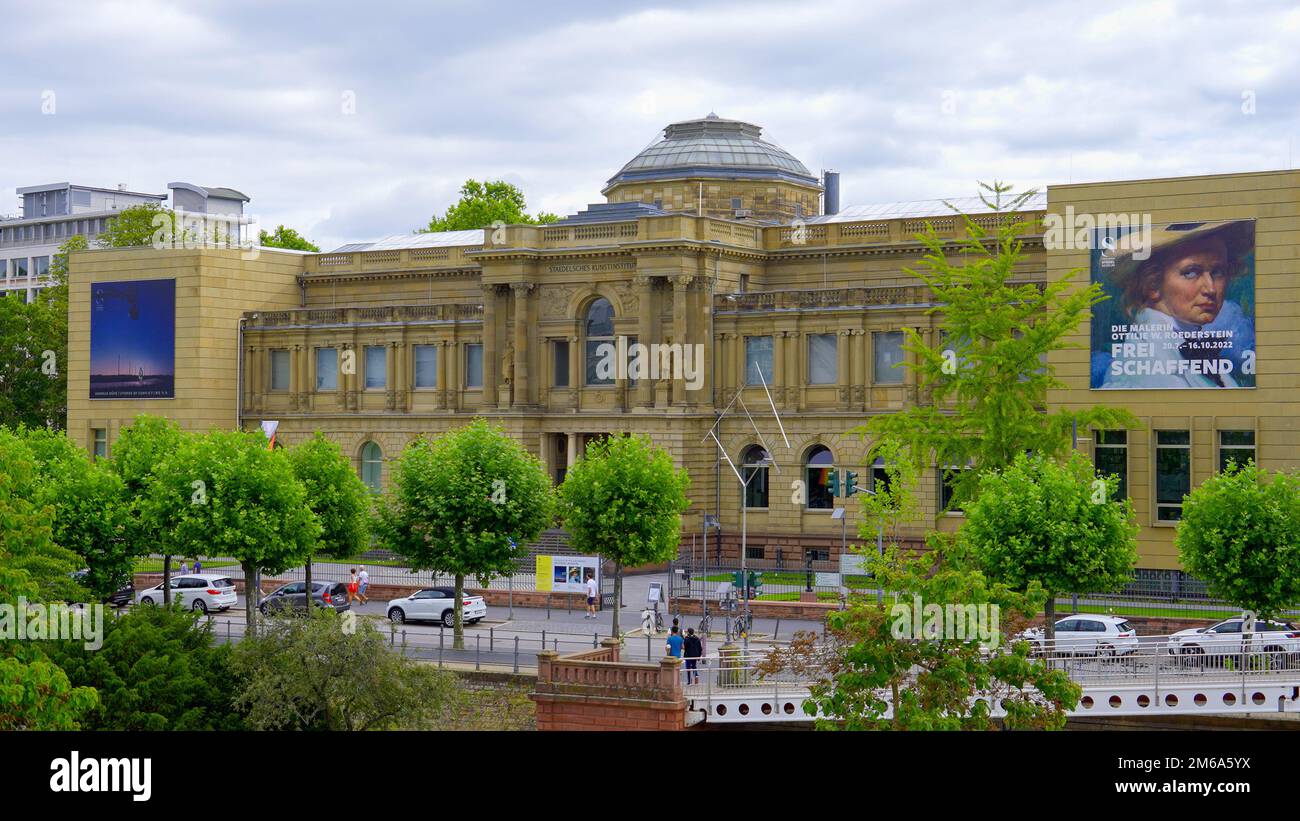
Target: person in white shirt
593, 593
363, 582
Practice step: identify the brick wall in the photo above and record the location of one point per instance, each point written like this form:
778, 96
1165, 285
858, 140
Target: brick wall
593, 690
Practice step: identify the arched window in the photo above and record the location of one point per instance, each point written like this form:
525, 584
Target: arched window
754, 467
819, 464
372, 462
598, 331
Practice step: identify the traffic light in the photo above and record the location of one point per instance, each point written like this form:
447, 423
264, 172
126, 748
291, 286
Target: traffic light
738, 580
833, 482
850, 483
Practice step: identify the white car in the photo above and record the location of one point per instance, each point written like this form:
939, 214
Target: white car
201, 592
1086, 634
436, 604
1281, 640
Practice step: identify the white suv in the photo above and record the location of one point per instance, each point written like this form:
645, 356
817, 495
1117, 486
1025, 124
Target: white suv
436, 604
1278, 639
1086, 634
201, 592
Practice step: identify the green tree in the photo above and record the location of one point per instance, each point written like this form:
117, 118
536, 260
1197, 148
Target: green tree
988, 376
35, 693
312, 674
286, 238
872, 661
158, 669
147, 224
225, 493
483, 203
465, 503
624, 501
1240, 532
41, 568
92, 514
337, 496
139, 449
1053, 523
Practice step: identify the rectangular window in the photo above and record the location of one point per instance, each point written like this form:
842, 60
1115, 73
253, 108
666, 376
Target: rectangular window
879, 476
473, 366
426, 366
376, 366
42, 266
822, 364
99, 438
758, 359
887, 347
948, 488
754, 552
1110, 456
327, 369
1236, 447
1173, 473
20, 267
560, 362
279, 370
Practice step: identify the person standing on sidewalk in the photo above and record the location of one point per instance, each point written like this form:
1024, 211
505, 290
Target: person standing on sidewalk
693, 649
198, 565
352, 584
363, 583
674, 644
592, 592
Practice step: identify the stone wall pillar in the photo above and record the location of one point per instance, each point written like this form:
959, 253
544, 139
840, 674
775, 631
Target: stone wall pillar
520, 390
489, 345
644, 395
843, 360
680, 285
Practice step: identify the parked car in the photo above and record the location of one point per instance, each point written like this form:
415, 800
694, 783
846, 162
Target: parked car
437, 604
1280, 640
1087, 634
201, 592
120, 598
293, 596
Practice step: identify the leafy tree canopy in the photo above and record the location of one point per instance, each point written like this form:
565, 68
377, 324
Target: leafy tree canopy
1240, 532
483, 203
286, 238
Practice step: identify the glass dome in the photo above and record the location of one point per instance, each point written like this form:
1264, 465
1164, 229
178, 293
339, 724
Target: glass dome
713, 147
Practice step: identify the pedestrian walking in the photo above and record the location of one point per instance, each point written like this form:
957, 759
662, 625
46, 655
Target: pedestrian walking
363, 583
592, 592
693, 649
352, 584
185, 568
674, 644
198, 566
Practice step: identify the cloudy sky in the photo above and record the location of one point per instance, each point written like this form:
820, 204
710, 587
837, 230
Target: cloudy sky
357, 120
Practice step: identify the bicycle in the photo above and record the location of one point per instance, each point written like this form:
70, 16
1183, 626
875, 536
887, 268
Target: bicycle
743, 624
703, 628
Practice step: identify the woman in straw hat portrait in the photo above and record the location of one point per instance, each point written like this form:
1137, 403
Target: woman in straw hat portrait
1182, 329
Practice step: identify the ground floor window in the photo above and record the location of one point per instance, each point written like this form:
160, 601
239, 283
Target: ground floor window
1173, 473
1110, 457
1236, 447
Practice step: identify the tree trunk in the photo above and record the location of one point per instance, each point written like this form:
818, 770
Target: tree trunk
251, 596
618, 596
458, 639
1049, 613
167, 579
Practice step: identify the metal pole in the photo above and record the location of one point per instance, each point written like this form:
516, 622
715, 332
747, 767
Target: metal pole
492, 640
880, 551
478, 649
744, 545
441, 632
595, 639
647, 646
512, 593
516, 654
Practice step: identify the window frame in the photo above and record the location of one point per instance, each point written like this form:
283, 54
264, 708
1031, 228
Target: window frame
465, 379
317, 380
366, 377
835, 358
415, 366
590, 354
748, 466
771, 360
1122, 448
288, 370
1158, 506
1227, 449
875, 359
364, 464
813, 452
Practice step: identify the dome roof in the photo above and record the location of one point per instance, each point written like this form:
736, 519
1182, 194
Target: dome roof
713, 147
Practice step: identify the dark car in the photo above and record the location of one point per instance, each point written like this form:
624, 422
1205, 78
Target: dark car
120, 598
291, 597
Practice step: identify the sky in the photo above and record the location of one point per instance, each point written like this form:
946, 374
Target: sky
355, 121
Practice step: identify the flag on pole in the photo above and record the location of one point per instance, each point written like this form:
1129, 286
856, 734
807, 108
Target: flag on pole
269, 427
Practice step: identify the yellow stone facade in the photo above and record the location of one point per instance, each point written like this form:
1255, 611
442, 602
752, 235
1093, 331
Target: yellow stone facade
521, 299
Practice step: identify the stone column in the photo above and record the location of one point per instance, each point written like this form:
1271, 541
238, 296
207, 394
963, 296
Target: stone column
489, 345
454, 379
843, 354
644, 395
520, 392
577, 376
861, 369
571, 441
680, 285
394, 374
295, 381
440, 396
777, 386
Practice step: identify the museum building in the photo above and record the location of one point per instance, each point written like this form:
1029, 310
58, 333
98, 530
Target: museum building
731, 263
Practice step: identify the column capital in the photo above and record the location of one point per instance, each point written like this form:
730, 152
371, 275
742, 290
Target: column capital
488, 289
643, 280
682, 281
521, 289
